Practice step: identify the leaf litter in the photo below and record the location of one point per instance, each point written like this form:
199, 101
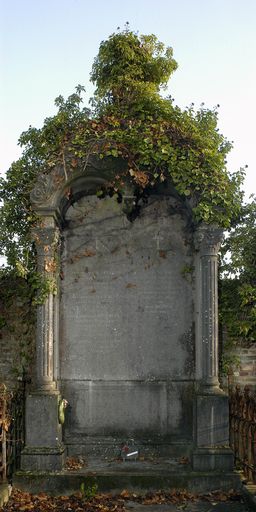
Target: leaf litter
21, 501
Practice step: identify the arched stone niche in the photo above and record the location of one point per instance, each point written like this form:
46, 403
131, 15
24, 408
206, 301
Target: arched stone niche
130, 339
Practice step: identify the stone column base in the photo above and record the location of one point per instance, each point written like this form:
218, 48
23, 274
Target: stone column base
212, 420
213, 459
44, 449
43, 459
212, 451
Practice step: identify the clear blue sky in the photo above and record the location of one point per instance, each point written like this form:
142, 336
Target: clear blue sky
48, 46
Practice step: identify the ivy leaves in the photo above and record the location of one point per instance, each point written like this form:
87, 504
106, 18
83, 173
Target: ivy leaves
130, 68
129, 119
238, 283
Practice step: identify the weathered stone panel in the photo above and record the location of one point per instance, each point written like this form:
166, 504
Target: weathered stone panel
126, 318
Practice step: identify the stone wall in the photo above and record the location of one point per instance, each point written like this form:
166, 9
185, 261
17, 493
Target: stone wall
245, 373
17, 334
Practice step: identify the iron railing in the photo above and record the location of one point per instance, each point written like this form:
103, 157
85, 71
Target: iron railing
16, 433
5, 398
243, 430
12, 429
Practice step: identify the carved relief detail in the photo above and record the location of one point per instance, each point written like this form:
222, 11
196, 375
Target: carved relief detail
207, 239
42, 190
46, 185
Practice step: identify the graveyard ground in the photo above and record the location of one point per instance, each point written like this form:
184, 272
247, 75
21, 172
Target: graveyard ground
88, 500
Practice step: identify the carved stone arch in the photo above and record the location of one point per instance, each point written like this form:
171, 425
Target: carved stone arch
76, 188
53, 193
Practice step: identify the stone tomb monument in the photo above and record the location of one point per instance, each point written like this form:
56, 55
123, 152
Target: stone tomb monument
128, 334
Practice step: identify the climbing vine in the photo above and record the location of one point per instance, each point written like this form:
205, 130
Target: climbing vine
129, 120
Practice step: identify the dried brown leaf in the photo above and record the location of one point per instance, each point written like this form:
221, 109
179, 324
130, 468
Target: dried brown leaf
89, 253
125, 494
50, 265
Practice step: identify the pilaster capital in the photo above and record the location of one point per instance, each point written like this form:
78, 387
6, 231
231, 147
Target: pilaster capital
207, 239
45, 187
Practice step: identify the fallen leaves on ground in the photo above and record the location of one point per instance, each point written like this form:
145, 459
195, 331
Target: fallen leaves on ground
74, 463
220, 496
23, 501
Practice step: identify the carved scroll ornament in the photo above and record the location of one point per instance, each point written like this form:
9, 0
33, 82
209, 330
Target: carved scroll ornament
208, 239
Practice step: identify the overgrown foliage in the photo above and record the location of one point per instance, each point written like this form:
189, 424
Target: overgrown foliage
129, 119
238, 283
17, 322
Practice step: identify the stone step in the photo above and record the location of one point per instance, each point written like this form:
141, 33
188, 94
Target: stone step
130, 477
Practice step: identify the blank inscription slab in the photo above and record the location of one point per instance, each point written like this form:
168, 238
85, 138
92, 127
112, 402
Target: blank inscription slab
126, 307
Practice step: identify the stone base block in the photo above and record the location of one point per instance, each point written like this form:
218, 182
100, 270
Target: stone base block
212, 420
43, 428
213, 459
43, 459
44, 449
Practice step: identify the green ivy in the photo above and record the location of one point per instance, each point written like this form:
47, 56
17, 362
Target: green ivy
129, 119
43, 286
238, 280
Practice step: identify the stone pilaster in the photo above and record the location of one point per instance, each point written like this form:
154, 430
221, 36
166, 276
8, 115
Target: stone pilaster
44, 449
211, 432
46, 238
208, 239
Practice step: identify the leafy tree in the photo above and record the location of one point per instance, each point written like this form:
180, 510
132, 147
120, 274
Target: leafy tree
129, 71
43, 148
129, 119
238, 283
